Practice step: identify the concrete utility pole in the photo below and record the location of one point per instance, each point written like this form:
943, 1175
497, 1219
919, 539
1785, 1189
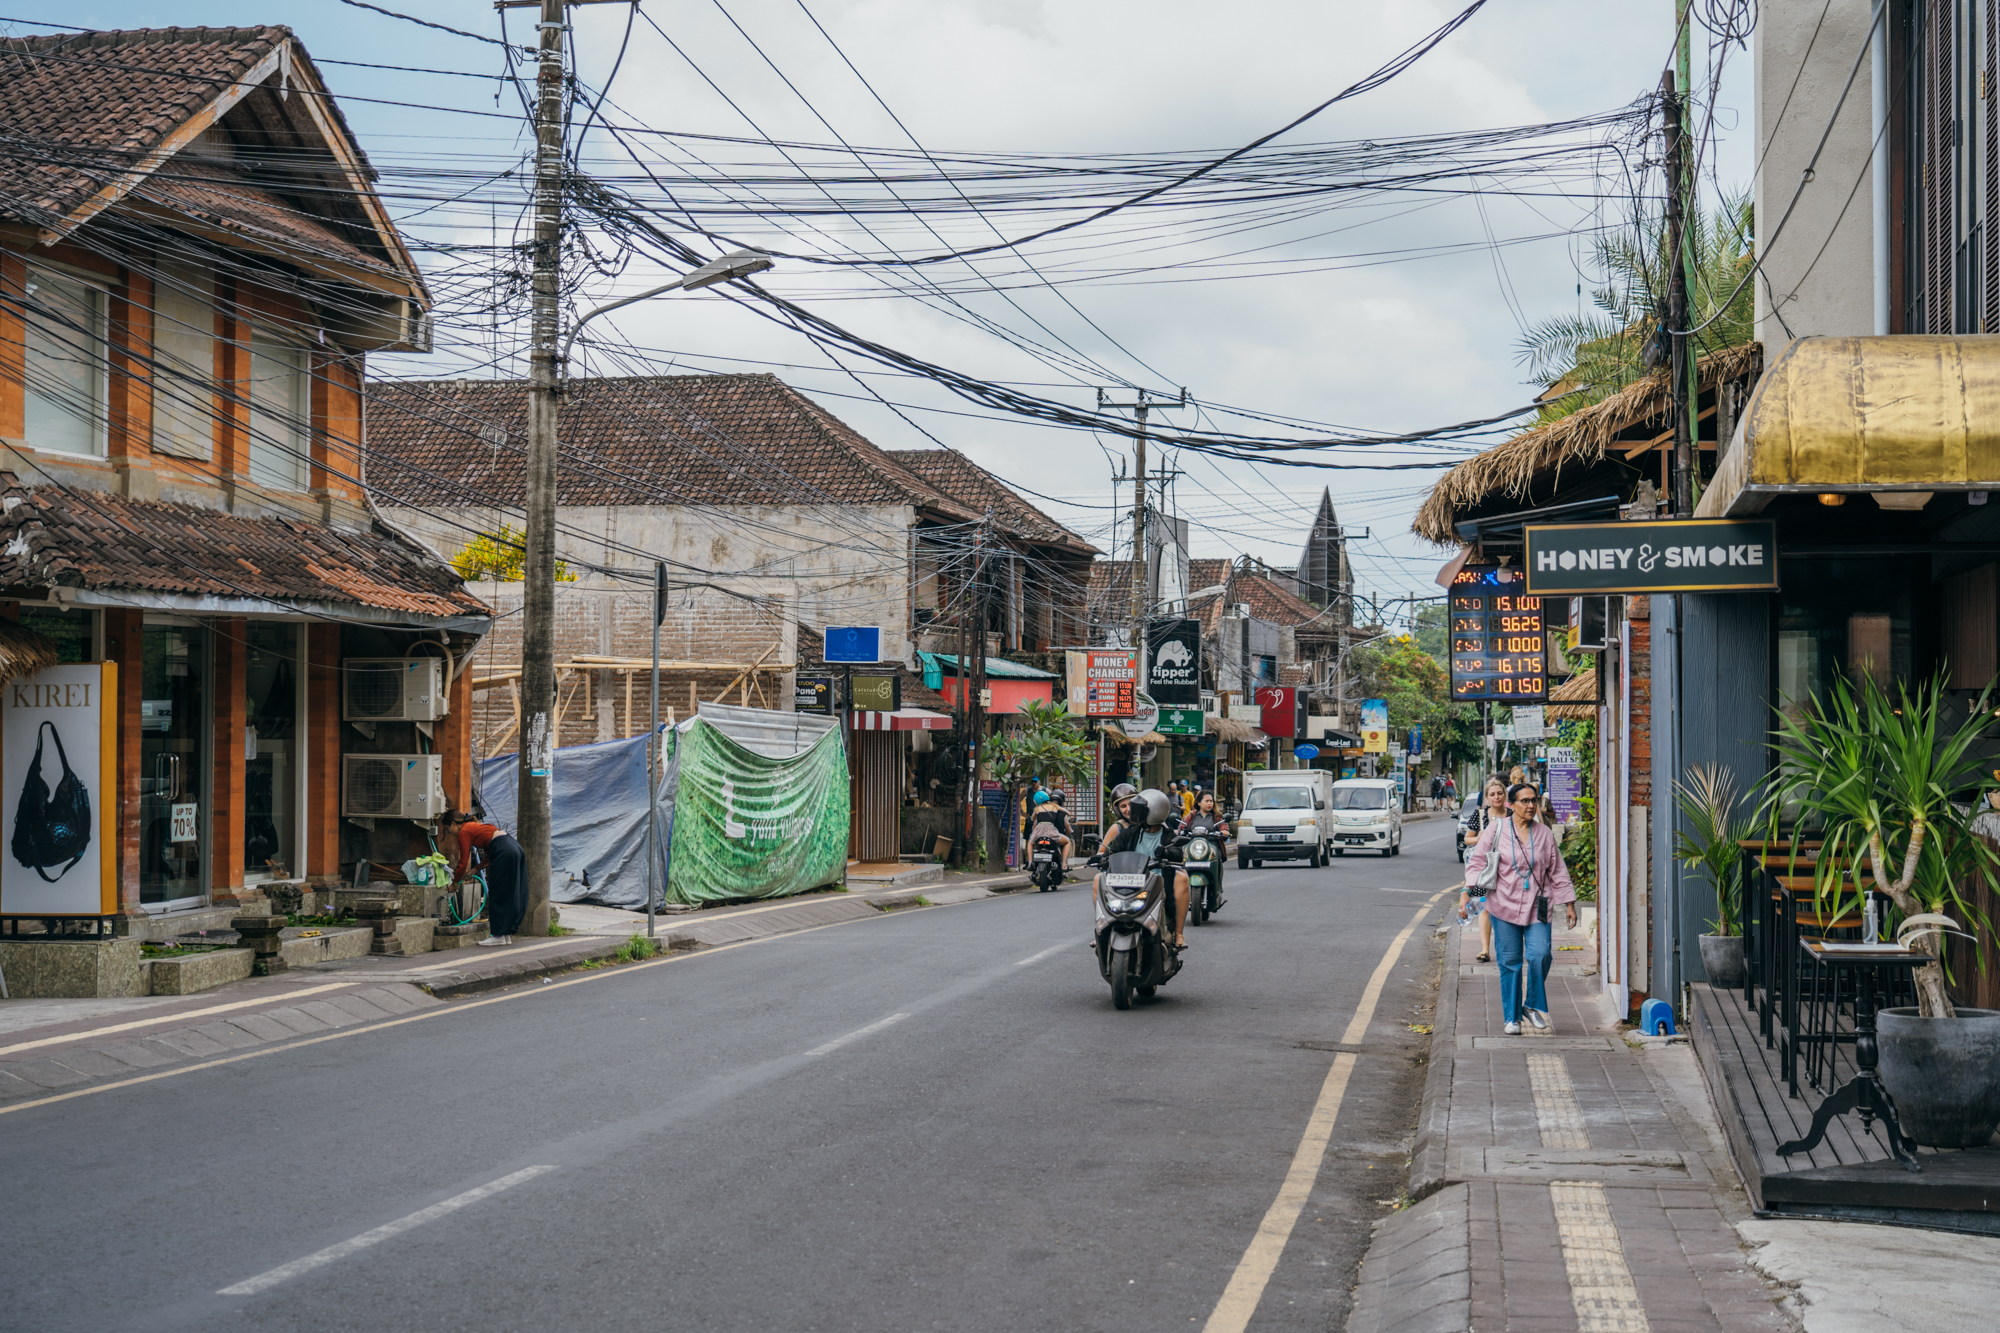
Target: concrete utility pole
538, 573
1685, 268
1677, 307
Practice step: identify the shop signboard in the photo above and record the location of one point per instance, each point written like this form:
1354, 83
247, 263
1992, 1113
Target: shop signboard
1180, 722
874, 694
1665, 555
1528, 724
1173, 666
1305, 752
1499, 637
1251, 713
1565, 783
1374, 726
1145, 717
1103, 682
1279, 715
1416, 745
813, 694
59, 734
852, 644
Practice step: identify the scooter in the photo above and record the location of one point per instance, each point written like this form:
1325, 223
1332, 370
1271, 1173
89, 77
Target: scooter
1133, 930
1045, 864
1202, 859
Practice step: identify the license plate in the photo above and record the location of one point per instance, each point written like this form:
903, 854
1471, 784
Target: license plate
1124, 881
1354, 839
1045, 856
1274, 837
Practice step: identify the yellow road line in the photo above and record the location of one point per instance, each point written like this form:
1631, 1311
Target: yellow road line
1253, 1271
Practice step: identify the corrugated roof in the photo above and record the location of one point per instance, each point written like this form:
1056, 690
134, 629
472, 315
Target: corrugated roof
995, 666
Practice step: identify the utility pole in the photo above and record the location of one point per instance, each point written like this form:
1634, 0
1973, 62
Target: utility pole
538, 574
1685, 269
655, 882
1680, 369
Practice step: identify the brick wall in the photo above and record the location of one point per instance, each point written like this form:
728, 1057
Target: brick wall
611, 618
1639, 659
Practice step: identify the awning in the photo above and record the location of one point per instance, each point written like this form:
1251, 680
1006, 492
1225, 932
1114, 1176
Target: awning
903, 719
1896, 413
996, 667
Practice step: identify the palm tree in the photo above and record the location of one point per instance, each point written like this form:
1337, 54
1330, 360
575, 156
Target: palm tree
1593, 356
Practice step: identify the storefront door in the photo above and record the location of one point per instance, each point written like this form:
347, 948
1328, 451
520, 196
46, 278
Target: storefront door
174, 768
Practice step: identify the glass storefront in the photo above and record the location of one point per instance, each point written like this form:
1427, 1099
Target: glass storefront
273, 757
1844, 617
174, 731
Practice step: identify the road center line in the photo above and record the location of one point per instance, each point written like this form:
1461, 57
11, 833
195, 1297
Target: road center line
855, 1035
1036, 958
286, 1272
1253, 1271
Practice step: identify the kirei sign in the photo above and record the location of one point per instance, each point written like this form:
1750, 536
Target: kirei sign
1499, 644
813, 694
59, 732
1173, 668
1103, 682
1668, 555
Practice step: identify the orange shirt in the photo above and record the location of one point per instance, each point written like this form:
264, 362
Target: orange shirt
472, 835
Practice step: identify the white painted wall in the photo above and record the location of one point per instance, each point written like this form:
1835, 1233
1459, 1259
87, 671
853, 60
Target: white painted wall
1818, 274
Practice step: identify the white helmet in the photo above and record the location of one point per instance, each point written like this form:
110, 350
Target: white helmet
1158, 804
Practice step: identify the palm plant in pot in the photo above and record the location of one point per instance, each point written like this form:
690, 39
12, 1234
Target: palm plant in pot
1707, 843
1877, 778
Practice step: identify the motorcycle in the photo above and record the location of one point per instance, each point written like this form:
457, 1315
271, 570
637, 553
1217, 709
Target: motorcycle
1133, 930
1045, 864
1202, 858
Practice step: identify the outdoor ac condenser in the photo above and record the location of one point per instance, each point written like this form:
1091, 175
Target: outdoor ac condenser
392, 786
393, 689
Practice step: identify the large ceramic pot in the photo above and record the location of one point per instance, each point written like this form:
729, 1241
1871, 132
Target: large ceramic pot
1944, 1074
1722, 959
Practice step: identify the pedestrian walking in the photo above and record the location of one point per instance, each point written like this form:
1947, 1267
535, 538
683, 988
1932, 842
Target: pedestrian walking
1492, 812
1437, 790
1450, 792
506, 873
1530, 878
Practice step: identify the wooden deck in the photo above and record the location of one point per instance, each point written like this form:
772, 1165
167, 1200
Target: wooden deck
1851, 1174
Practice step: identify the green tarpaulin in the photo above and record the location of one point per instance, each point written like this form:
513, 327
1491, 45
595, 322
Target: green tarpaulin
753, 823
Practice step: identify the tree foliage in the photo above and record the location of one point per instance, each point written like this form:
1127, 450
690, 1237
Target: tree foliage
1416, 687
500, 556
1048, 744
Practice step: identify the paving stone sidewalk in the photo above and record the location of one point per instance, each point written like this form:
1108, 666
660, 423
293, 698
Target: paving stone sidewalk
1566, 1180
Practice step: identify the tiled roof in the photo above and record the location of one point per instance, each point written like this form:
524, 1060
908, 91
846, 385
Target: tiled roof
232, 203
53, 536
977, 489
643, 440
1206, 573
1268, 601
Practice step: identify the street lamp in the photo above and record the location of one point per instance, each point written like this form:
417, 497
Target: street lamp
548, 373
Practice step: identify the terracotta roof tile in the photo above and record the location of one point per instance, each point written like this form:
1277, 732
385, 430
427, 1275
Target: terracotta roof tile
50, 536
976, 488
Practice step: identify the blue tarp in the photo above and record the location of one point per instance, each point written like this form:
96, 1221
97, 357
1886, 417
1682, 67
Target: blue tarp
598, 820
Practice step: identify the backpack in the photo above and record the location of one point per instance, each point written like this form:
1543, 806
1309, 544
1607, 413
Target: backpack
51, 829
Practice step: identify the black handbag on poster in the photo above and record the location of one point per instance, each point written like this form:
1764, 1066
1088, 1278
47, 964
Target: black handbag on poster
51, 828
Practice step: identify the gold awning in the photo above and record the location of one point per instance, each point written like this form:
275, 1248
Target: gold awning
1894, 413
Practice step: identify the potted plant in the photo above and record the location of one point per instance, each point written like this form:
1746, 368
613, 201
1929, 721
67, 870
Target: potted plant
1877, 779
1707, 843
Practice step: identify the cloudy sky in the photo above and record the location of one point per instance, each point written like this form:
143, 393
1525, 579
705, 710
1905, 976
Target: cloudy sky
1379, 313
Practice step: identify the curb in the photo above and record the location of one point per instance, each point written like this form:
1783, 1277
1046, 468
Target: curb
1429, 1171
502, 972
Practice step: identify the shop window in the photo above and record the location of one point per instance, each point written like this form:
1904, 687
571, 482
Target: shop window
272, 755
280, 432
65, 402
1844, 618
74, 631
184, 356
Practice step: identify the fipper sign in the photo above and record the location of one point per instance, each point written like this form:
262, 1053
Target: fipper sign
1499, 644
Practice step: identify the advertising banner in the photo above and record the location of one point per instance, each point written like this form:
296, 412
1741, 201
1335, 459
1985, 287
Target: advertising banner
1374, 726
60, 735
875, 694
852, 643
813, 694
1565, 783
1280, 705
1102, 681
1180, 722
1668, 555
1173, 669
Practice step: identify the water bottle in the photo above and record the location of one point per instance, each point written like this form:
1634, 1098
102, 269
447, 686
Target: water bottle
1871, 922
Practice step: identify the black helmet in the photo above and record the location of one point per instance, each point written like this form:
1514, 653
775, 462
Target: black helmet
1124, 791
1158, 803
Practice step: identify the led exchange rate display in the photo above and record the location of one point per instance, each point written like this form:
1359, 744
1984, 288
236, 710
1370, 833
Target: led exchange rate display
1499, 638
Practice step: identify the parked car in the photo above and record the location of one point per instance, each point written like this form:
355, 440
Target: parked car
1367, 816
1468, 814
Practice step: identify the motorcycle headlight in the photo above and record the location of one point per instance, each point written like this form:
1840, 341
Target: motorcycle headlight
1199, 850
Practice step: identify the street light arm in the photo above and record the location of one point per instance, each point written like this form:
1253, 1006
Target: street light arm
735, 264
675, 285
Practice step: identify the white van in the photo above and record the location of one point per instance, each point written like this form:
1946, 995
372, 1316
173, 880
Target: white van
1285, 818
1367, 816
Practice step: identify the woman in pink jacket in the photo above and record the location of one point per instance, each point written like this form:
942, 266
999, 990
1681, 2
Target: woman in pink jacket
1531, 877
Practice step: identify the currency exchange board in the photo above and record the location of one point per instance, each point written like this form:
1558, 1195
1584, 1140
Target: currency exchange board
1499, 638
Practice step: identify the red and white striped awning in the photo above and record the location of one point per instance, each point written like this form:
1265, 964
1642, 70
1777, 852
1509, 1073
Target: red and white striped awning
905, 719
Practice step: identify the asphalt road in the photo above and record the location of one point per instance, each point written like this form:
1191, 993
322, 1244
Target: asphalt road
933, 1120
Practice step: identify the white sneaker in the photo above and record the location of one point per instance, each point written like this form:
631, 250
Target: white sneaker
1539, 1019
492, 941
1512, 1029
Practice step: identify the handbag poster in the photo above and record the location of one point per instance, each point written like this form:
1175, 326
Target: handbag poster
58, 754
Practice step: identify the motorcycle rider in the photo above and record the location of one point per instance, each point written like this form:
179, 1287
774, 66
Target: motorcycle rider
1051, 820
1133, 833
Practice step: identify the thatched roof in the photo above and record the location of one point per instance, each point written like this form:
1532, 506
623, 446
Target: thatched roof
1578, 440
1230, 731
1575, 699
23, 652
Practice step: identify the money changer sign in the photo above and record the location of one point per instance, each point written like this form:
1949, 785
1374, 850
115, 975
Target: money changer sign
1674, 555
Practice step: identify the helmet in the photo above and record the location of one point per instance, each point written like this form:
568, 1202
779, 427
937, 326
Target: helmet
1157, 805
1040, 797
1123, 791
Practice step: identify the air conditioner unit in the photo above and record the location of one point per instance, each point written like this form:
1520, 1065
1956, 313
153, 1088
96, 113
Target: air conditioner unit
392, 786
393, 689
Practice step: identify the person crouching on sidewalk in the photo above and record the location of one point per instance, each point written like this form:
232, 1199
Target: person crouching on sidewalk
1531, 876
506, 874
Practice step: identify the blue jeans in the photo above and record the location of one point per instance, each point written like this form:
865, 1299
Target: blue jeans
1509, 942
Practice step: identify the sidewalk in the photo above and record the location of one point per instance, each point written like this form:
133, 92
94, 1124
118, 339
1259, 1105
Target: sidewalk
1566, 1179
53, 1046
